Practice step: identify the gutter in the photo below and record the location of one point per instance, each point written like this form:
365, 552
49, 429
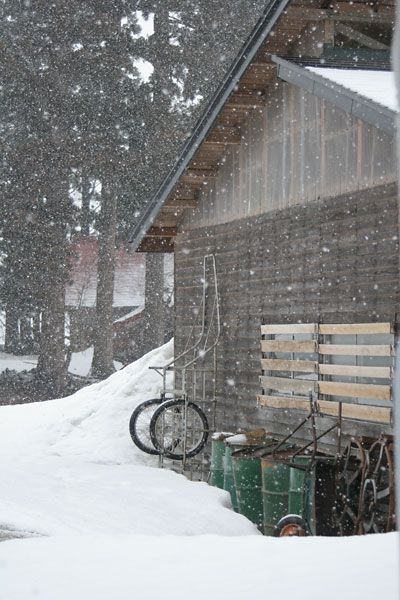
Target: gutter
356, 105
208, 118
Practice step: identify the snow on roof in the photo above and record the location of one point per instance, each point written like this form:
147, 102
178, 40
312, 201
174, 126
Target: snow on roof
128, 281
130, 315
378, 86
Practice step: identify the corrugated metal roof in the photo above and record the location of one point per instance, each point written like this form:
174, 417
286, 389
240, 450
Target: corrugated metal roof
357, 105
378, 86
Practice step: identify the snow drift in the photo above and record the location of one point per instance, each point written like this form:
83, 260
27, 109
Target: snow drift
68, 466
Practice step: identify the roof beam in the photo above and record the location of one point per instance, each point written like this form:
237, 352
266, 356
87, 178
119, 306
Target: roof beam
205, 163
246, 101
223, 136
360, 13
183, 193
196, 176
161, 232
179, 203
164, 245
359, 37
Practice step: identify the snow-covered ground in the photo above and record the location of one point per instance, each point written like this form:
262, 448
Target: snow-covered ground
79, 365
17, 363
113, 526
194, 568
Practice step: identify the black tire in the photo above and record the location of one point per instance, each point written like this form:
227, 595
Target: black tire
139, 425
167, 429
291, 525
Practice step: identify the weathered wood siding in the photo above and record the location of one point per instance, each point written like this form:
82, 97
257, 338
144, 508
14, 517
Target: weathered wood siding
332, 260
295, 150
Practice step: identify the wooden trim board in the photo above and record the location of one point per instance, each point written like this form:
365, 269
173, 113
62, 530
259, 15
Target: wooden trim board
275, 364
287, 328
355, 390
329, 408
328, 328
356, 349
355, 328
309, 347
355, 371
288, 385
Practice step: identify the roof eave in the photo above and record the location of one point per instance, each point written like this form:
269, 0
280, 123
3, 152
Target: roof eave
206, 121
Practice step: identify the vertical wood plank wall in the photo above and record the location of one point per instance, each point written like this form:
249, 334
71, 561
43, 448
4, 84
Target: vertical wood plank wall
295, 150
334, 260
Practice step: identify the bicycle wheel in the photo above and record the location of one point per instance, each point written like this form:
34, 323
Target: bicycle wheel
139, 425
167, 429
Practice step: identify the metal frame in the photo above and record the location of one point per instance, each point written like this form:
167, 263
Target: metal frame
199, 350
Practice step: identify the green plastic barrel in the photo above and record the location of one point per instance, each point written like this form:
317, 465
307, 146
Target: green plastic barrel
239, 441
298, 486
217, 459
301, 491
275, 492
247, 479
229, 482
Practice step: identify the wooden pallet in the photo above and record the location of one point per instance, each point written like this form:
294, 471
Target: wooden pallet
305, 366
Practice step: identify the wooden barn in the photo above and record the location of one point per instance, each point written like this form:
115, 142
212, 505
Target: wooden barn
289, 181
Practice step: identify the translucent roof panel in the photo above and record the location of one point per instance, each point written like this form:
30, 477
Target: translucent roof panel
378, 86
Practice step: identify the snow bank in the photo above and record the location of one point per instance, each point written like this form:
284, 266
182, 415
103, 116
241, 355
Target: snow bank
171, 568
91, 424
69, 466
81, 362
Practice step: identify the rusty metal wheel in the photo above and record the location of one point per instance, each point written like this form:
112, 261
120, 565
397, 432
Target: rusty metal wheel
378, 500
350, 477
289, 526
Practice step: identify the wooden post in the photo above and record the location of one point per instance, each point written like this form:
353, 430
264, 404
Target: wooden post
329, 34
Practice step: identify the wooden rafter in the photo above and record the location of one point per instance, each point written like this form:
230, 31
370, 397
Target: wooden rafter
361, 38
223, 136
343, 11
156, 245
246, 101
180, 204
198, 175
161, 232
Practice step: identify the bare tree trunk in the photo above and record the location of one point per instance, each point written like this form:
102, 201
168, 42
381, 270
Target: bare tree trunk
52, 229
85, 212
26, 334
51, 367
11, 341
154, 327
103, 363
36, 330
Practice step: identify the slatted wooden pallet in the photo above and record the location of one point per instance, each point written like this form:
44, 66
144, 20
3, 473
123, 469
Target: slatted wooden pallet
309, 373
